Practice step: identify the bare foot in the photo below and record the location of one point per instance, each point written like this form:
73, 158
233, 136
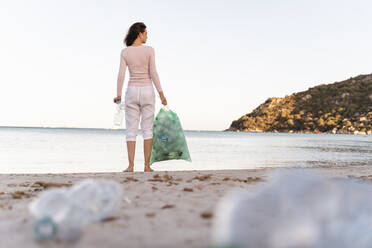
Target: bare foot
129, 169
148, 169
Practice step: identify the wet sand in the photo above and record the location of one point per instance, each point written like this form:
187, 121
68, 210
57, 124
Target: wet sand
159, 209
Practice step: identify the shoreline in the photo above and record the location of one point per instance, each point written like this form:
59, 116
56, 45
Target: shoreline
154, 204
301, 132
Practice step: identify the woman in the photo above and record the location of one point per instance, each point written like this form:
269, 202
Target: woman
139, 96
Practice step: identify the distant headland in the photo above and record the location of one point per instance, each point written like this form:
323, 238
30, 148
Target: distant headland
341, 107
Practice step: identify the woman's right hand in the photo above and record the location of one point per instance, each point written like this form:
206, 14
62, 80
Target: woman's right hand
163, 99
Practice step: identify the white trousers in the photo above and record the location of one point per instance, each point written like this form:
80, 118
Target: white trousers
139, 104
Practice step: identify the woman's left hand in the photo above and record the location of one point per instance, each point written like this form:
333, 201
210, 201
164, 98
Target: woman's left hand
118, 98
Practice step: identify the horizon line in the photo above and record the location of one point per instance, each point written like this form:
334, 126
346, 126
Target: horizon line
63, 127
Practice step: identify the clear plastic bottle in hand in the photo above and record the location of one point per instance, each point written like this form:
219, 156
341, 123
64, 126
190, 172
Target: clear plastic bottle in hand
119, 114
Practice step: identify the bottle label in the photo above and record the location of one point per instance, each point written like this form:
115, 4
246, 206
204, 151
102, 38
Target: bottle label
162, 138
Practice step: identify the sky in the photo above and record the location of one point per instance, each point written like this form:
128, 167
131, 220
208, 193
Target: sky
217, 60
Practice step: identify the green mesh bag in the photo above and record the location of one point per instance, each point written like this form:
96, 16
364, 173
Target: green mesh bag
168, 140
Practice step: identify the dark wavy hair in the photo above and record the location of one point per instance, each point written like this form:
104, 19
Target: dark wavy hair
133, 32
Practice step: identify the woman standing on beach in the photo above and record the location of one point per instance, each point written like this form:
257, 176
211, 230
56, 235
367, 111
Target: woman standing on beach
139, 96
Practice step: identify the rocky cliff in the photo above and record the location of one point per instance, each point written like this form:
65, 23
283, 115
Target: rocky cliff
341, 107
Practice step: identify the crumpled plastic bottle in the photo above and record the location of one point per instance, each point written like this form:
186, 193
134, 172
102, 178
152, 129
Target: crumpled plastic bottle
296, 209
61, 214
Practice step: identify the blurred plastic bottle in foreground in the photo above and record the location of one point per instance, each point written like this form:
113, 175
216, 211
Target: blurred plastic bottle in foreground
296, 209
119, 114
61, 214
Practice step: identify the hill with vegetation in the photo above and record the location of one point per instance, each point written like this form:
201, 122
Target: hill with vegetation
340, 107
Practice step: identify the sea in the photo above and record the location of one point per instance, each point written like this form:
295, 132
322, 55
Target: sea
76, 150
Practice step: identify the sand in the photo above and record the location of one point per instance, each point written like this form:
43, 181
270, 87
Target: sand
159, 209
